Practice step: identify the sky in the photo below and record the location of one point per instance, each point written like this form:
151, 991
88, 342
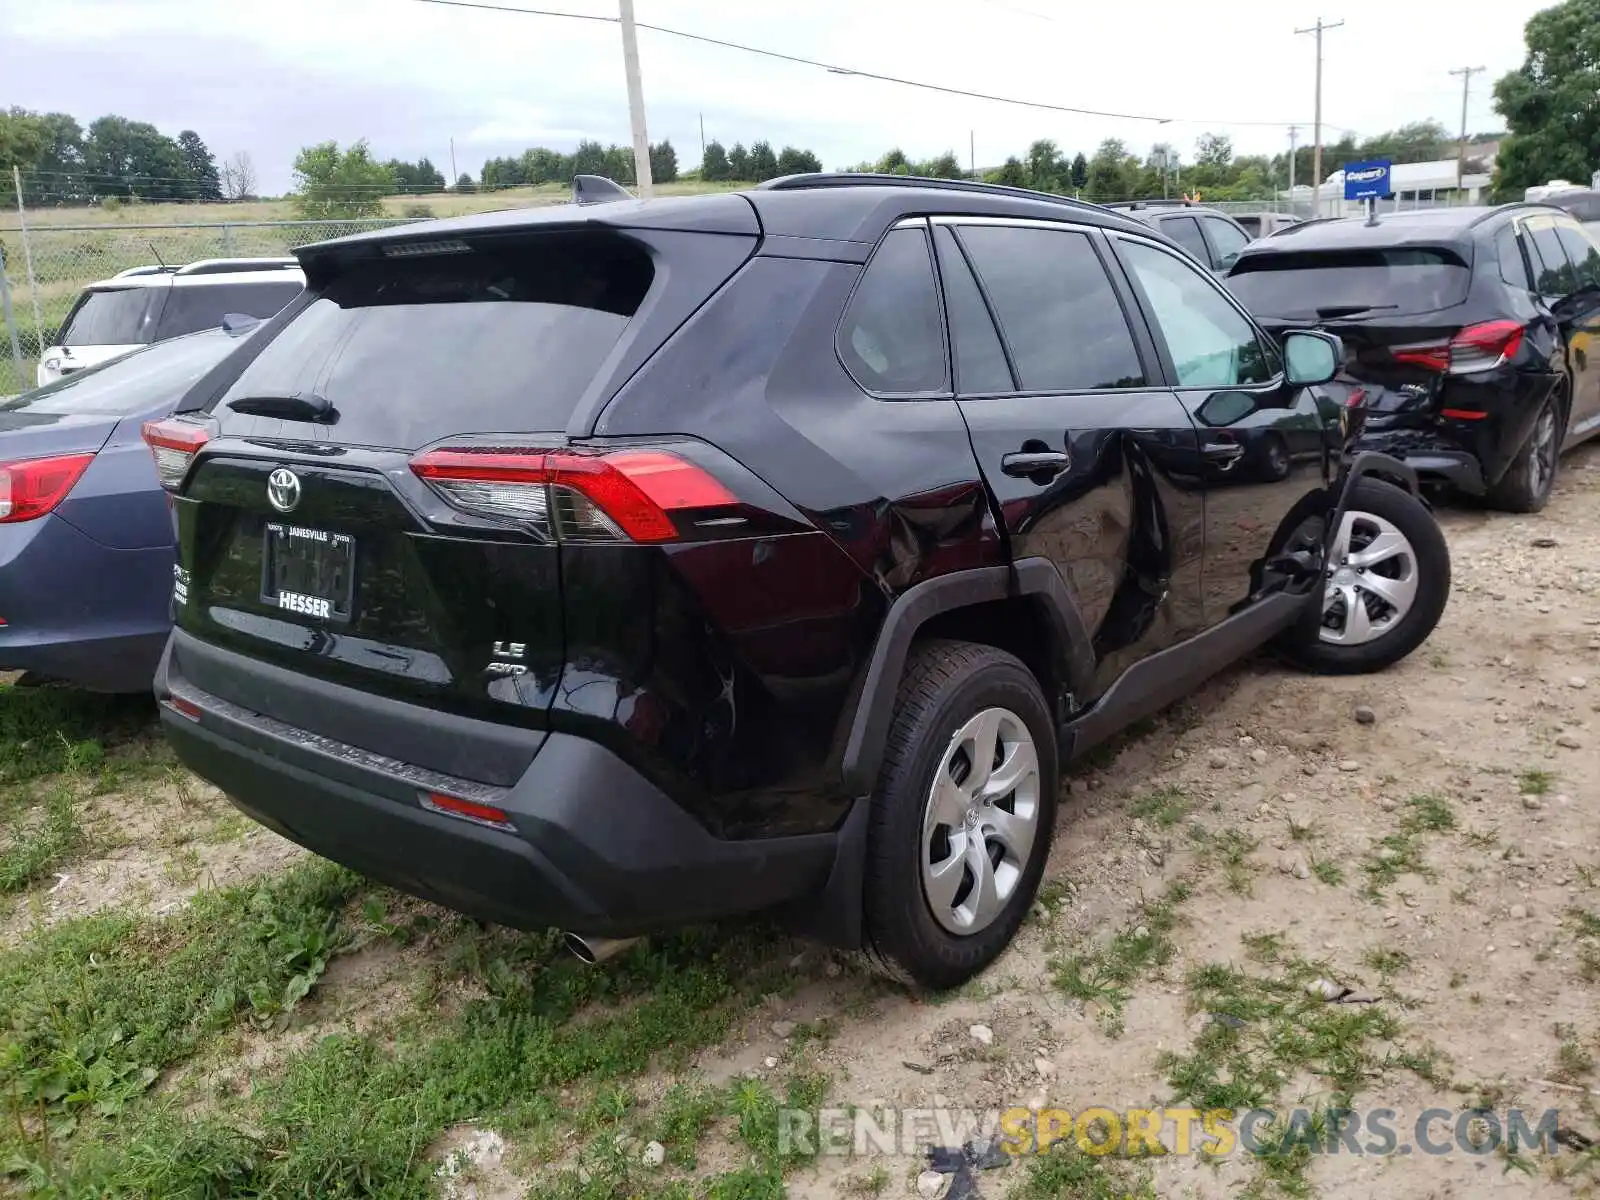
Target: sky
410, 77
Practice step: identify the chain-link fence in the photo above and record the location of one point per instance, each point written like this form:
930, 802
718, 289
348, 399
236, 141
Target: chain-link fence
43, 268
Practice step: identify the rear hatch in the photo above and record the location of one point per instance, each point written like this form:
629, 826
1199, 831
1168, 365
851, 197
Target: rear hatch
1397, 309
370, 505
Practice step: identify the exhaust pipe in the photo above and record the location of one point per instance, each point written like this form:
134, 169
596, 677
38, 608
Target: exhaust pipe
594, 951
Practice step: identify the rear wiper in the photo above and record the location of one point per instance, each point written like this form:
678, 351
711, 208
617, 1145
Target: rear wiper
307, 406
1350, 310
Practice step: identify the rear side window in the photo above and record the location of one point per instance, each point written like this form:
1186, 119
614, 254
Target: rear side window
890, 340
1226, 239
190, 309
1553, 271
1582, 253
1313, 283
980, 359
1057, 309
1186, 232
1512, 267
412, 350
1251, 225
136, 382
113, 317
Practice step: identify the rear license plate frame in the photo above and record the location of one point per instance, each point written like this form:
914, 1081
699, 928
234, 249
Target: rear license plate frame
319, 564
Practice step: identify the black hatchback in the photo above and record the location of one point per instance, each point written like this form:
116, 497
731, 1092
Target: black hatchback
1468, 335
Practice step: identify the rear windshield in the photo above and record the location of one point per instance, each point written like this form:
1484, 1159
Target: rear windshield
132, 383
410, 350
193, 307
113, 317
1403, 280
1251, 225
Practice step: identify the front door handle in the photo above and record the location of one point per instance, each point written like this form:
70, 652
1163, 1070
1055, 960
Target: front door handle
1226, 453
1028, 463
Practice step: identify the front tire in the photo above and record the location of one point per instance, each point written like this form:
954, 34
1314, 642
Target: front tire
962, 816
1385, 587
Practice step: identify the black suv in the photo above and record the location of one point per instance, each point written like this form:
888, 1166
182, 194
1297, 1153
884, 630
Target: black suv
1214, 238
624, 565
1467, 335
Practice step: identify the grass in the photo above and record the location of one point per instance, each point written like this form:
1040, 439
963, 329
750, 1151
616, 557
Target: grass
1401, 853
48, 730
1103, 975
1164, 807
36, 849
1230, 850
1535, 781
1066, 1172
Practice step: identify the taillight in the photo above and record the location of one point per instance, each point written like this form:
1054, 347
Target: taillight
1479, 347
31, 488
574, 495
174, 442
1483, 347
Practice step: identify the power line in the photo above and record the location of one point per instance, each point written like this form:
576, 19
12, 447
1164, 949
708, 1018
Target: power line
836, 69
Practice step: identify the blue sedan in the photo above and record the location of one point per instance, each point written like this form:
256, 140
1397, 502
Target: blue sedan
86, 550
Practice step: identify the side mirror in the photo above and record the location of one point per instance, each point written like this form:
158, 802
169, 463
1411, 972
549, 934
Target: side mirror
1311, 357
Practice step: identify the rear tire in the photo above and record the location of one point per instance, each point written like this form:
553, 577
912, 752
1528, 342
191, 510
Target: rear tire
955, 848
1526, 485
1385, 589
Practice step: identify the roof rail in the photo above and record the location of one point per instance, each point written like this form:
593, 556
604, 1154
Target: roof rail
841, 179
150, 270
227, 266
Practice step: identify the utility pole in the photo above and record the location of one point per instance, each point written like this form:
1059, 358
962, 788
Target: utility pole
1294, 133
1316, 155
1466, 74
702, 139
453, 175
630, 65
972, 151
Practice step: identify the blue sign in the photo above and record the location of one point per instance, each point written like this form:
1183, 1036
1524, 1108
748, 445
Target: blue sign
1367, 180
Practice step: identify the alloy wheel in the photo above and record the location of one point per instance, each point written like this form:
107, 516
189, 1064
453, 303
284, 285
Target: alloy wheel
1371, 580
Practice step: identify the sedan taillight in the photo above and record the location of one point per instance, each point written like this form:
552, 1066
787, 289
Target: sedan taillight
1476, 348
33, 487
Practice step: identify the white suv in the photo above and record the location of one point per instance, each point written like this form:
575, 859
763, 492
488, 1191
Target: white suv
151, 304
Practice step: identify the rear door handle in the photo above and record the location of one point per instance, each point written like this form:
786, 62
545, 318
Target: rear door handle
1026, 463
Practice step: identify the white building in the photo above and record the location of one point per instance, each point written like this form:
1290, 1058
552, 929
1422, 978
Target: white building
1416, 185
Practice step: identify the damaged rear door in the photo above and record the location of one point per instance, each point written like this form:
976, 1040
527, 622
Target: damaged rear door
1092, 460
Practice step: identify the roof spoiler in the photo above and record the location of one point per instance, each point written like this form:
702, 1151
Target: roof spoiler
597, 189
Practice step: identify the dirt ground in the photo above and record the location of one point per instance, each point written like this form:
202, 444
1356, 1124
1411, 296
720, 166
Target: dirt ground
1373, 890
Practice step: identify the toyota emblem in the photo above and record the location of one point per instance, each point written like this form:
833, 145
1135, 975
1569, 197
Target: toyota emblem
283, 490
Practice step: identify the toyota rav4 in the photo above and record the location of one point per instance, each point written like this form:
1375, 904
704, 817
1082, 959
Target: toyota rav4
629, 564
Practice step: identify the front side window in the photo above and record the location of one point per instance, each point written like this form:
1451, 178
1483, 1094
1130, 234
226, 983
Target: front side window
1226, 239
1211, 344
1553, 270
891, 339
1582, 253
1057, 309
114, 317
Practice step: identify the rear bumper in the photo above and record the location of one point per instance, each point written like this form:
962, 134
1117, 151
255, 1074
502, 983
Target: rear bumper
1433, 455
595, 848
80, 611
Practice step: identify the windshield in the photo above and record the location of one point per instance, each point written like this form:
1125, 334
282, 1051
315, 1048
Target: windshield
133, 382
414, 349
1399, 279
193, 307
113, 317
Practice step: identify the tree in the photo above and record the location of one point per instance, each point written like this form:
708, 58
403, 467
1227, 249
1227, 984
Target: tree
1011, 173
1420, 141
239, 177
894, 162
739, 163
133, 158
1080, 172
714, 163
944, 166
464, 184
1046, 170
1213, 150
415, 178
763, 162
542, 165
1111, 172
798, 162
200, 165
663, 163
1551, 103
332, 185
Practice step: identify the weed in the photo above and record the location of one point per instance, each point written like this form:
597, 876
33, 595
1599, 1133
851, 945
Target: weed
1535, 781
37, 850
1231, 849
1427, 814
1066, 1172
1328, 871
47, 730
1164, 807
1386, 961
1573, 1059
1104, 975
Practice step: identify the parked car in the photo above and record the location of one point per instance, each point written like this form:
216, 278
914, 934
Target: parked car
618, 566
151, 304
1583, 204
1468, 332
1214, 238
85, 531
1264, 224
